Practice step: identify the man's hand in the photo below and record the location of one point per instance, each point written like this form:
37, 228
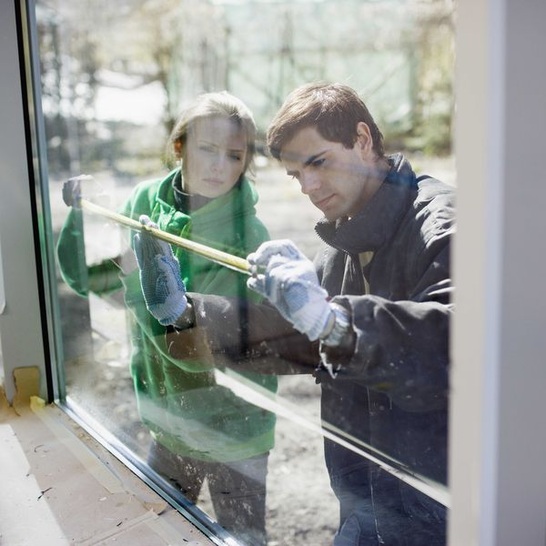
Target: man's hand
160, 278
291, 284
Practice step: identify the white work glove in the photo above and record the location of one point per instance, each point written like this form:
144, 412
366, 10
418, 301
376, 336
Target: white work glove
290, 283
160, 279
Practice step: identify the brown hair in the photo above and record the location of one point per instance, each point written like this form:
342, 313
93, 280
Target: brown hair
217, 104
335, 109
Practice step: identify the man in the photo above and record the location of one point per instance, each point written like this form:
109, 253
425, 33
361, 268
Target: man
373, 312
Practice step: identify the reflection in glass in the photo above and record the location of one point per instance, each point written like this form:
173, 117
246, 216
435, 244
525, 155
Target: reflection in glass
199, 429
115, 79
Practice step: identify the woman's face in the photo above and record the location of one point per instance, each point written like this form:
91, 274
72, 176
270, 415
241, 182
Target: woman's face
214, 156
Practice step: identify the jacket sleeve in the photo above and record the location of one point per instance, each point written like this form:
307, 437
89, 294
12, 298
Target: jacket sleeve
100, 278
402, 346
244, 336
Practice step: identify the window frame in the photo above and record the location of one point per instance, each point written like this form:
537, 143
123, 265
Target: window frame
497, 492
497, 441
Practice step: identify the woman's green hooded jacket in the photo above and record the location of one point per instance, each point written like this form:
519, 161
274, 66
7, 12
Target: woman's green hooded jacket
181, 402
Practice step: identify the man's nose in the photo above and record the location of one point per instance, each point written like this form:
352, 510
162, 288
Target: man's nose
309, 182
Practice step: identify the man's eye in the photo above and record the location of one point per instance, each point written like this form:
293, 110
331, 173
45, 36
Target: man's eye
317, 162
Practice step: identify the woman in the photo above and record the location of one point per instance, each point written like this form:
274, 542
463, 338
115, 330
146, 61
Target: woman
200, 430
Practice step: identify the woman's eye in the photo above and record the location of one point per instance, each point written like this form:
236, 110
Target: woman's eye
235, 157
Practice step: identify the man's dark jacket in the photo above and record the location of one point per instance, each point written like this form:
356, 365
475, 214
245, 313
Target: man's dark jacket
391, 393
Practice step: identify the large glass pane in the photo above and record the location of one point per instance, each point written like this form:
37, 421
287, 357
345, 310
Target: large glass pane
115, 78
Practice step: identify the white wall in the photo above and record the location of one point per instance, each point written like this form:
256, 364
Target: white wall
498, 434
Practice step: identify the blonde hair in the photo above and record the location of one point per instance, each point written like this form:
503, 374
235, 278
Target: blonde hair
218, 104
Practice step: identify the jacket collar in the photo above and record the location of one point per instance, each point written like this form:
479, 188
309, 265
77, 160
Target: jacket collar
377, 221
238, 202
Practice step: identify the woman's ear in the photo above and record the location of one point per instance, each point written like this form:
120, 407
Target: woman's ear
178, 147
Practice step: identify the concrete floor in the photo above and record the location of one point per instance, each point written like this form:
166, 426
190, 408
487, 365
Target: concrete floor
59, 486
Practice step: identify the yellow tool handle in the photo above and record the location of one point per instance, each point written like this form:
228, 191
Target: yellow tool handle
218, 256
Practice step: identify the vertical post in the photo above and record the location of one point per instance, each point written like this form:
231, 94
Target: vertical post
21, 334
498, 437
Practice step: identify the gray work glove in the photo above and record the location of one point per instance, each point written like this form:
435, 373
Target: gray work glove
160, 279
72, 191
94, 192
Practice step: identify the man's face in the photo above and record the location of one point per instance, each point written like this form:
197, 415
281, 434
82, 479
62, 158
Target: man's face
339, 181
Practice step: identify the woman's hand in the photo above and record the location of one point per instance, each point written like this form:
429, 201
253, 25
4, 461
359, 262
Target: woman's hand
160, 279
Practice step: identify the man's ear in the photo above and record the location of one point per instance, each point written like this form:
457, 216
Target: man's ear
364, 137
